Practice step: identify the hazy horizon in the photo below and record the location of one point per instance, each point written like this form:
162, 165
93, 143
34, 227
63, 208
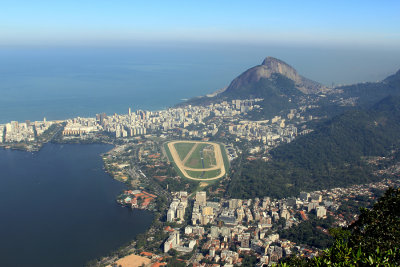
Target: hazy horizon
324, 64
338, 23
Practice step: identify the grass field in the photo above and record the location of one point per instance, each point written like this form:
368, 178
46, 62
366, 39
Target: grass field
183, 149
209, 157
195, 159
205, 175
203, 154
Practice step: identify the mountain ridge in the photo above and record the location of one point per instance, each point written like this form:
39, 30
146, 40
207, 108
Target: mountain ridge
368, 93
268, 67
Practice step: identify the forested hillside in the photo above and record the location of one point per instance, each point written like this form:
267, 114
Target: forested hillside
369, 93
331, 156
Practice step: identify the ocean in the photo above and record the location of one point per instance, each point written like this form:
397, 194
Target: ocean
65, 82
58, 208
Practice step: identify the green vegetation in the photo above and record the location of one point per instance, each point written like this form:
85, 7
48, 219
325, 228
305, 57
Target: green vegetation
352, 206
211, 174
310, 232
194, 161
209, 157
206, 174
179, 184
249, 260
205, 152
373, 240
183, 149
369, 93
50, 133
276, 92
225, 157
171, 160
331, 156
195, 174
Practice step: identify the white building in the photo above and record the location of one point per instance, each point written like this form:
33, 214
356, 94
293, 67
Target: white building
201, 198
321, 212
170, 215
172, 242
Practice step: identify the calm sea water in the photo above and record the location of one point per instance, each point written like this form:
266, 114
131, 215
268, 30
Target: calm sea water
59, 83
57, 207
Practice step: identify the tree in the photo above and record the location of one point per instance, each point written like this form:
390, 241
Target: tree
373, 240
249, 260
379, 226
173, 252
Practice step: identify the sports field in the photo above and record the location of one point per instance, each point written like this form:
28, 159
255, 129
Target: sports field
198, 160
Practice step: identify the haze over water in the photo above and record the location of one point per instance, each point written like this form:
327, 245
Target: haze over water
65, 82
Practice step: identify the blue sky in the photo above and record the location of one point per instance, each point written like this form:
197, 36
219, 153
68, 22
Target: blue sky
343, 23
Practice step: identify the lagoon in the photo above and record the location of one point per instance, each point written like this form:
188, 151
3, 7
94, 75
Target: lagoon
58, 208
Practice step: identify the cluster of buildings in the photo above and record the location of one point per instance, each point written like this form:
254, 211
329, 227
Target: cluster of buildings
171, 120
14, 132
177, 208
234, 107
78, 126
2, 133
237, 226
175, 242
334, 198
181, 122
203, 211
269, 133
229, 228
142, 122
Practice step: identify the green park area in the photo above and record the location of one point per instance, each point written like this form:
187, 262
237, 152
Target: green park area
183, 149
204, 174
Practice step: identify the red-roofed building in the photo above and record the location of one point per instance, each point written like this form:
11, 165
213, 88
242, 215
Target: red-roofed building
147, 254
303, 215
168, 229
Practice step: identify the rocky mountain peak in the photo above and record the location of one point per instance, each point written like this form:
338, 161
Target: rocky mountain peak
274, 65
271, 62
267, 69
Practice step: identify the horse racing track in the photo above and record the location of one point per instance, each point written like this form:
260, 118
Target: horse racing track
202, 161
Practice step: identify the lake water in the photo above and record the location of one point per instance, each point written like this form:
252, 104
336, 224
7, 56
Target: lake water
58, 208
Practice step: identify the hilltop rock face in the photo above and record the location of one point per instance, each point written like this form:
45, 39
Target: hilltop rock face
395, 78
267, 69
272, 65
